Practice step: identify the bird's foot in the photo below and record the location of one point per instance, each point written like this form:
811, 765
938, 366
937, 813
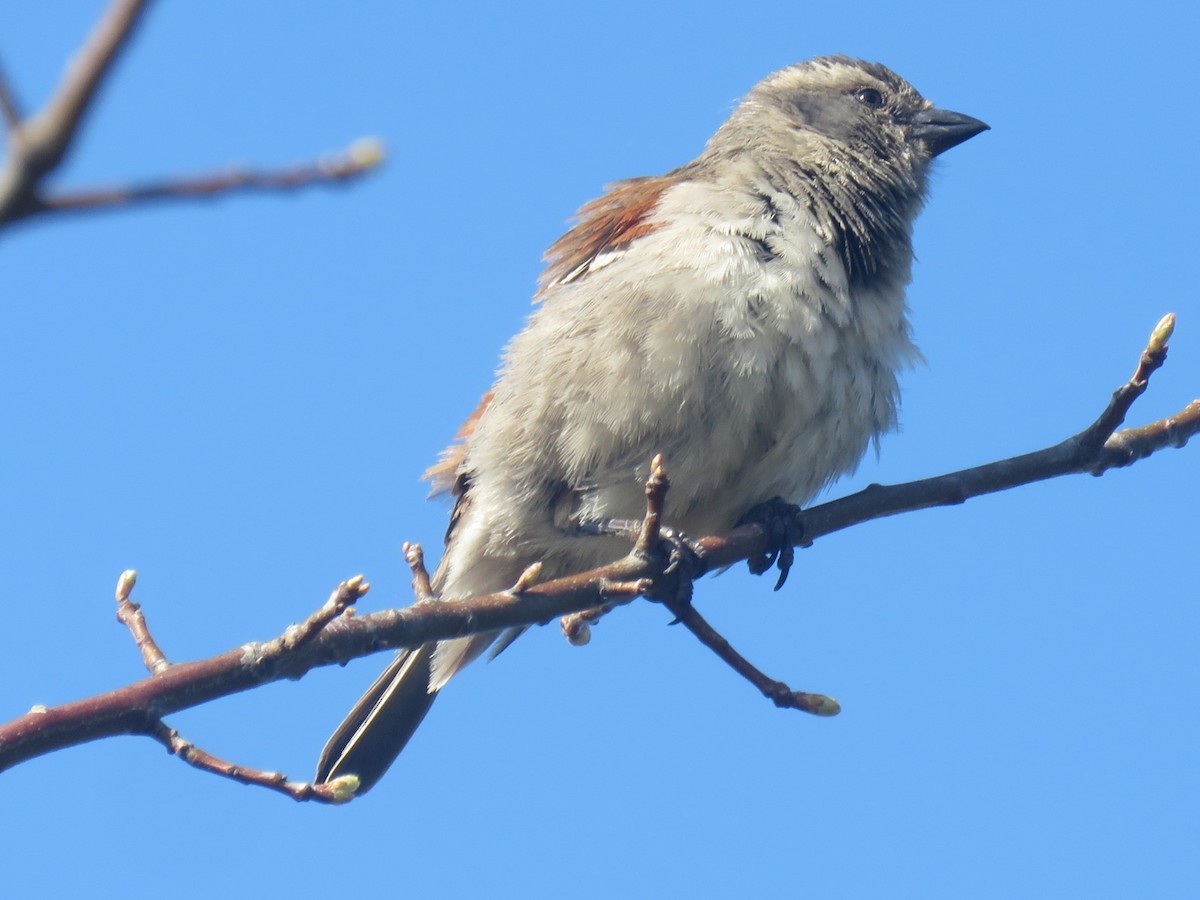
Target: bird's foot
781, 521
685, 563
628, 529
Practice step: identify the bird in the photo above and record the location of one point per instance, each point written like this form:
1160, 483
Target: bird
744, 315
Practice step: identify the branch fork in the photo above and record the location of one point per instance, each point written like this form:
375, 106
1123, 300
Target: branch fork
37, 144
657, 568
129, 613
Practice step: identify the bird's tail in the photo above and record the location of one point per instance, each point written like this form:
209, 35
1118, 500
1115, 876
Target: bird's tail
386, 716
376, 730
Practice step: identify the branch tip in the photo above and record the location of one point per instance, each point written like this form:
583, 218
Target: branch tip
527, 579
821, 705
125, 584
576, 630
1161, 334
339, 790
657, 485
131, 616
44, 138
415, 557
367, 153
343, 788
577, 627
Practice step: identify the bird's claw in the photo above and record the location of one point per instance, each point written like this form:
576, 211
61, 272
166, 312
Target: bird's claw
685, 563
781, 521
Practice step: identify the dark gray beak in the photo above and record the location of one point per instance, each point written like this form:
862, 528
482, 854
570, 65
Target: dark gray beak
941, 129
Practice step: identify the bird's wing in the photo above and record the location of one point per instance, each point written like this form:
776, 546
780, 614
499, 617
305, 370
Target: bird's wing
603, 227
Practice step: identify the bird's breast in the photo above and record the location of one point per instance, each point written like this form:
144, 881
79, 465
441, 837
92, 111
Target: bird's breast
727, 338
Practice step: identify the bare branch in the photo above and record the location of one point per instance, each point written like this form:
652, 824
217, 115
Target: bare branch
49, 134
359, 159
1131, 444
1151, 360
527, 578
137, 707
776, 691
340, 601
415, 557
331, 636
577, 627
1094, 450
130, 615
40, 143
339, 790
656, 494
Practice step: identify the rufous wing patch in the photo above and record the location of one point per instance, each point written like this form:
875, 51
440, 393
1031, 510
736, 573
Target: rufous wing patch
445, 474
606, 224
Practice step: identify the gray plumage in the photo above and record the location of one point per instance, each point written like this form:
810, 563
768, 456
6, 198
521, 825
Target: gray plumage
743, 315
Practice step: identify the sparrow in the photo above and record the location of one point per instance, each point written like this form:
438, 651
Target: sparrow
744, 315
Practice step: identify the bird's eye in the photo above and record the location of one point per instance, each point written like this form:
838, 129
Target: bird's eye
870, 97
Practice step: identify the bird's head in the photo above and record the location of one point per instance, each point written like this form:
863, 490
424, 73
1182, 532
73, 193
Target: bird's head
822, 113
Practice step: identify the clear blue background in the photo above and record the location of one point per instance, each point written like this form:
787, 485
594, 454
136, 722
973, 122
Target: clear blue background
237, 400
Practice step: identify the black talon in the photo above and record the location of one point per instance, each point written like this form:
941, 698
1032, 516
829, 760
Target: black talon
787, 556
781, 521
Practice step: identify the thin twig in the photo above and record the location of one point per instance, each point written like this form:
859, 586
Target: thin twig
339, 790
185, 685
422, 586
358, 159
42, 141
577, 627
130, 615
677, 597
531, 575
647, 536
1123, 398
38, 145
1131, 444
49, 134
1094, 450
344, 596
657, 485
776, 691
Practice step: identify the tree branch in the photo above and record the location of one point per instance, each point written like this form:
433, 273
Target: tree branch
37, 145
339, 790
50, 133
358, 159
130, 615
775, 691
334, 634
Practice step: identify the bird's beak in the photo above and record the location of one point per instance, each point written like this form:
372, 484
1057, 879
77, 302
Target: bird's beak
941, 129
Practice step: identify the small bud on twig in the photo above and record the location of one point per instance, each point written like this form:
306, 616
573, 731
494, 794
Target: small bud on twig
528, 579
125, 584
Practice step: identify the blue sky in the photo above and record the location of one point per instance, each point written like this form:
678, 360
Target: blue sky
237, 399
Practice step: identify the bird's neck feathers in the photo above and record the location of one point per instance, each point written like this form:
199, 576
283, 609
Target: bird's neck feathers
864, 202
